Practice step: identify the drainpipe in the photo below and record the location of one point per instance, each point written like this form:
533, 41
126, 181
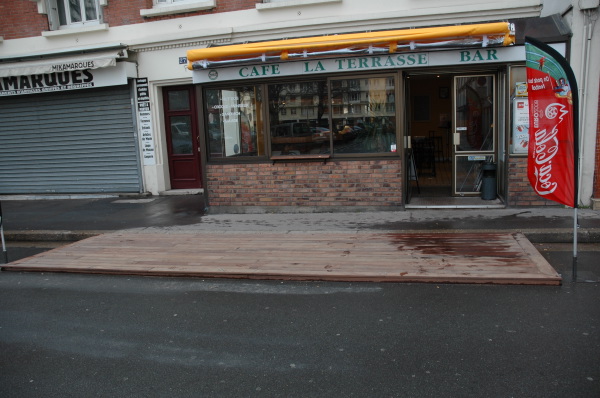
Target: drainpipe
590, 17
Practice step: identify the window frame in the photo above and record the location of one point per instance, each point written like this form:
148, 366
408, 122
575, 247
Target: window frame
54, 15
353, 81
259, 108
293, 97
264, 87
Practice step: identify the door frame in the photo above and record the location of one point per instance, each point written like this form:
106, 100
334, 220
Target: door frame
475, 157
193, 180
411, 187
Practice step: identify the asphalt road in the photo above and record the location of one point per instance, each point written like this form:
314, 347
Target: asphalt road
66, 335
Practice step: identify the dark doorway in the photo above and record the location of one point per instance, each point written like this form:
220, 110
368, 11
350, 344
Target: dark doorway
429, 126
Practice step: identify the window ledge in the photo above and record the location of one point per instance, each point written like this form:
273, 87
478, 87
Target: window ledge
177, 9
300, 158
75, 31
291, 3
42, 6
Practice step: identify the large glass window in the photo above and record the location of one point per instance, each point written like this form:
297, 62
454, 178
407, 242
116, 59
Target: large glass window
299, 119
337, 116
364, 115
234, 122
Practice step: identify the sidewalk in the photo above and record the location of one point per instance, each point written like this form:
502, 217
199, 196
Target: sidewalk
73, 219
171, 236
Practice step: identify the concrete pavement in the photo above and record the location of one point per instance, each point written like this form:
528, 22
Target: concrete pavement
73, 219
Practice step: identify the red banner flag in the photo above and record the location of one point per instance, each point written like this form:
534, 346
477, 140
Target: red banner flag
553, 126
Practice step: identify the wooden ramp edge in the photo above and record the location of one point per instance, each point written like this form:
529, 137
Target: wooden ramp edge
479, 258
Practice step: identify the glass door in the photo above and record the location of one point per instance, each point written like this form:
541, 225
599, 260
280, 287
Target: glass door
474, 139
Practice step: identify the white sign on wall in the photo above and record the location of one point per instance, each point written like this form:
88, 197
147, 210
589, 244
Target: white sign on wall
520, 139
145, 121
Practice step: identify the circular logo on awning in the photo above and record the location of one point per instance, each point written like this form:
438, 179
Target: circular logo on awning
213, 74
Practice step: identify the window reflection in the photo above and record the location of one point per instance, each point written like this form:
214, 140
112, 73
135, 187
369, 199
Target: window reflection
475, 113
353, 116
234, 122
469, 174
299, 120
181, 139
179, 100
364, 115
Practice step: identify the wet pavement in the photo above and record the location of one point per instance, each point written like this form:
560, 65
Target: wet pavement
75, 219
99, 214
69, 334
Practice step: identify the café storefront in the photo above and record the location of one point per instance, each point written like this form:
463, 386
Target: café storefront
362, 122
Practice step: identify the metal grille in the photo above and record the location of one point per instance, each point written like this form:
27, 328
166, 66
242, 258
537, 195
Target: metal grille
72, 142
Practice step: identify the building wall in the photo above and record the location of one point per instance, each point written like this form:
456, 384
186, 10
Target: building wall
596, 196
124, 12
373, 183
23, 31
127, 12
244, 21
21, 19
583, 26
520, 192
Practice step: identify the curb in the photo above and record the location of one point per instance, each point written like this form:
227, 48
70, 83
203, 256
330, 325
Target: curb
566, 236
50, 236
561, 235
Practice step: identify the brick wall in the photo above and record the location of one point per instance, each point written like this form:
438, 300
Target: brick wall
117, 19
124, 12
520, 193
21, 19
374, 183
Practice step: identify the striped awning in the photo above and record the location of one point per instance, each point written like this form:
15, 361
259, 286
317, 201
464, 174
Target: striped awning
390, 41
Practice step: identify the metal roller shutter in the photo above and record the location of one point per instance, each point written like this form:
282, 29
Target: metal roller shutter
70, 142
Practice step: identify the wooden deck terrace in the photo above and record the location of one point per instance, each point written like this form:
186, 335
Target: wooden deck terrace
500, 258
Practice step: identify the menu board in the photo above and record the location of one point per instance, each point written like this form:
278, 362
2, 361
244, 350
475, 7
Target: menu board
145, 120
520, 127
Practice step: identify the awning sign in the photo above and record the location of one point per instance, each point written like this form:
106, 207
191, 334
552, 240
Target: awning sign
365, 63
378, 42
553, 125
62, 81
96, 60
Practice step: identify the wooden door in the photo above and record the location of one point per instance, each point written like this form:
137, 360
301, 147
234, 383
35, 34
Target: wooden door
181, 126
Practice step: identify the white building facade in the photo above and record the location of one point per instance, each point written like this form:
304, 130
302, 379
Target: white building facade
177, 139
